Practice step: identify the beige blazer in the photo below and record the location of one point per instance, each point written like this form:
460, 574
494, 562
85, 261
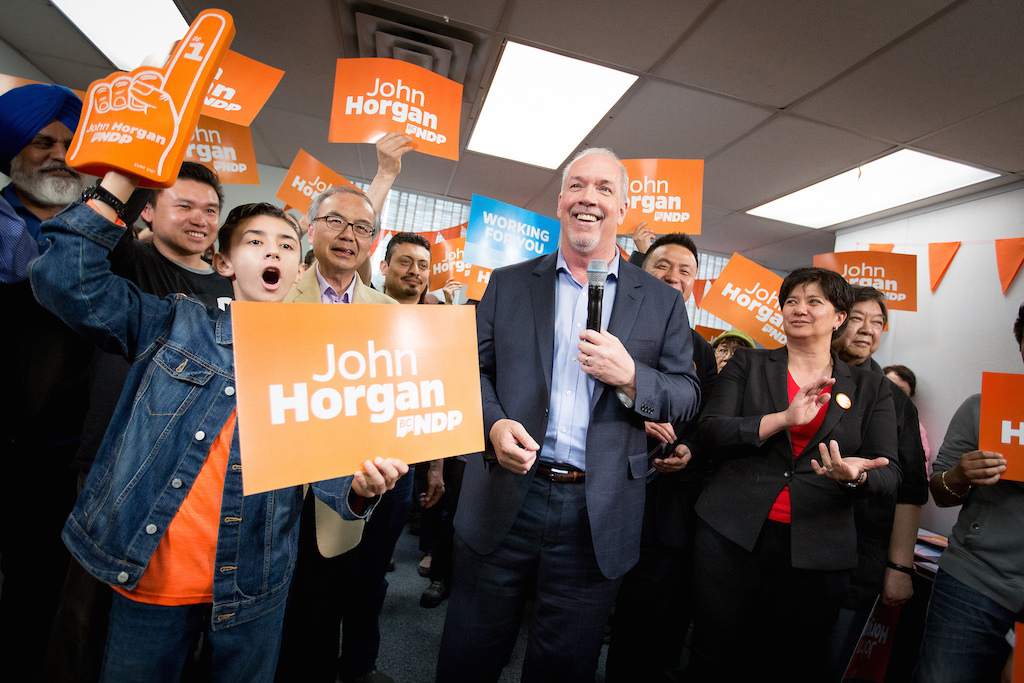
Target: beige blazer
334, 535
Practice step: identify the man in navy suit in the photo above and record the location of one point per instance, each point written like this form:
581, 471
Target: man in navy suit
551, 512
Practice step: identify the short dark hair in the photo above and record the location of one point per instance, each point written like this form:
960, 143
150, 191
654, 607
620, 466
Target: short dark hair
905, 374
244, 212
837, 290
863, 293
1018, 326
405, 238
190, 170
683, 240
309, 259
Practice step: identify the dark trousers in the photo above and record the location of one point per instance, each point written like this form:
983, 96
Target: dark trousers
547, 557
653, 609
755, 616
350, 587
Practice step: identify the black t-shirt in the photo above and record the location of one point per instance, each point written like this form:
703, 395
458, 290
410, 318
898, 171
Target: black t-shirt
156, 274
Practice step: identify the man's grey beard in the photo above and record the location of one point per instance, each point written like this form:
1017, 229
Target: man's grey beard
44, 189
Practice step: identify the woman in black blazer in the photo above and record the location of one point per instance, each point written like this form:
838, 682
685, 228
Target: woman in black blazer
796, 435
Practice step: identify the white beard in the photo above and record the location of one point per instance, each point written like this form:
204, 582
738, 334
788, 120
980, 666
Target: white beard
44, 189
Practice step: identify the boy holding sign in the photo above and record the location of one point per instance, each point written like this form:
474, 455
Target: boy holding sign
162, 517
978, 592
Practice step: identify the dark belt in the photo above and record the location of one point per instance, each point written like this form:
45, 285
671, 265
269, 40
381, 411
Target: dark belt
560, 473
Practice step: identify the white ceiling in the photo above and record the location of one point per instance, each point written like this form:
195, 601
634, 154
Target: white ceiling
774, 95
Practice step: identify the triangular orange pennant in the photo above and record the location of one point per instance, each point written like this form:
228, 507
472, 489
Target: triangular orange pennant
887, 248
1009, 256
699, 287
940, 255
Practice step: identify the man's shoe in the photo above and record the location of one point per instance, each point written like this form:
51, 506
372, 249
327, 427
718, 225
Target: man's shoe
434, 595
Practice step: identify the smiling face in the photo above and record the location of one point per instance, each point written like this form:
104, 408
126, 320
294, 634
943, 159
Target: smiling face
808, 315
184, 219
863, 333
339, 253
674, 265
263, 259
592, 205
406, 277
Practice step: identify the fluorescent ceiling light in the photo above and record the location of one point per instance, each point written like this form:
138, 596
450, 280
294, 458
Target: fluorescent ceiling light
541, 105
127, 31
900, 178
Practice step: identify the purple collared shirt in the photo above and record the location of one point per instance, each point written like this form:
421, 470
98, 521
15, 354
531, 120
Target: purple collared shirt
328, 295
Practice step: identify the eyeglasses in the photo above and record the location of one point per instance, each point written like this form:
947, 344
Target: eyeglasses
339, 225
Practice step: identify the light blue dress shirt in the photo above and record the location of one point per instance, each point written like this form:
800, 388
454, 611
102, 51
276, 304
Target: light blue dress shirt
565, 440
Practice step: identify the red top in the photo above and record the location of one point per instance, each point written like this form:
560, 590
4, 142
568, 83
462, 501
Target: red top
799, 437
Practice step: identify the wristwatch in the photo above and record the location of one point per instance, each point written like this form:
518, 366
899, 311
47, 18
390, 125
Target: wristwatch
103, 195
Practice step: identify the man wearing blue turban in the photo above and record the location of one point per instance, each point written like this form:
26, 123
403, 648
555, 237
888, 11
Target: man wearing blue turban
46, 383
37, 123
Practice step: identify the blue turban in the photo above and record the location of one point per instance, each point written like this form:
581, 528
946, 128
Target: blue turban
27, 110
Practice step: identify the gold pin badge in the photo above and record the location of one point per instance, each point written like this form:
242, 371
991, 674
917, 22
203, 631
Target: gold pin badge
844, 401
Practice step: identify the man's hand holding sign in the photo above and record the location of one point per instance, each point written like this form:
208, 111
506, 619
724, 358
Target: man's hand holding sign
140, 123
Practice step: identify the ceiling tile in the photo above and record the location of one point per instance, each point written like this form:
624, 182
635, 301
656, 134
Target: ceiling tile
776, 52
605, 30
784, 155
964, 63
994, 138
667, 121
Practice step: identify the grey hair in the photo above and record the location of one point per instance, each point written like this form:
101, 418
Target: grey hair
608, 153
314, 206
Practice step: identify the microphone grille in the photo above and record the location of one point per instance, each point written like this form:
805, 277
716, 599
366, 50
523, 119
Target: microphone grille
597, 272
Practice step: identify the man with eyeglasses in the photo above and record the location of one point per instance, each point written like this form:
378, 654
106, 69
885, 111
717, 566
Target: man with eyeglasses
342, 225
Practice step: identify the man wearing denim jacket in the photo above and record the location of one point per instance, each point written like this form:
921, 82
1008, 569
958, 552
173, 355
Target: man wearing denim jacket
178, 400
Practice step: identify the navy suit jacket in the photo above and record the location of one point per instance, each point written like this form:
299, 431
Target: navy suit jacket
750, 473
515, 328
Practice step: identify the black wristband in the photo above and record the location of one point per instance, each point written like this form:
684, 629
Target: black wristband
900, 568
103, 195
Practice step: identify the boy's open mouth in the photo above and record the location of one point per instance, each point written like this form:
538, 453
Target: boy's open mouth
271, 276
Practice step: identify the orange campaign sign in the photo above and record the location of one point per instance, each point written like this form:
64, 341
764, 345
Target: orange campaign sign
667, 194
374, 96
140, 123
323, 388
894, 275
226, 148
1002, 420
239, 89
746, 296
307, 178
446, 261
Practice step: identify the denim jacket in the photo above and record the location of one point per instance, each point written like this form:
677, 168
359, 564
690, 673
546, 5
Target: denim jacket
179, 394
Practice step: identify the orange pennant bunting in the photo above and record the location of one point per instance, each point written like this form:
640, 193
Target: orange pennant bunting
887, 248
940, 255
1009, 256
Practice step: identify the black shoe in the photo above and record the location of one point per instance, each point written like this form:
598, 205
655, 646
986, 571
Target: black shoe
434, 595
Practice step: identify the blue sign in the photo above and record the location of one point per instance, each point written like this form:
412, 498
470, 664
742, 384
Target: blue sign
500, 234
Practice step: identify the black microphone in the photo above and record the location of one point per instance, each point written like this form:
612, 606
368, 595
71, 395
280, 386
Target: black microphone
597, 273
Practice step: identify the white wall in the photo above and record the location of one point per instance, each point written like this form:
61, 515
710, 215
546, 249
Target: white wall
962, 329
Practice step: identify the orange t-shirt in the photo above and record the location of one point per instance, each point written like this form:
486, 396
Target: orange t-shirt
181, 569
799, 437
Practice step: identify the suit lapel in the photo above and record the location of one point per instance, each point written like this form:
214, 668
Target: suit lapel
844, 385
542, 297
629, 296
777, 371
